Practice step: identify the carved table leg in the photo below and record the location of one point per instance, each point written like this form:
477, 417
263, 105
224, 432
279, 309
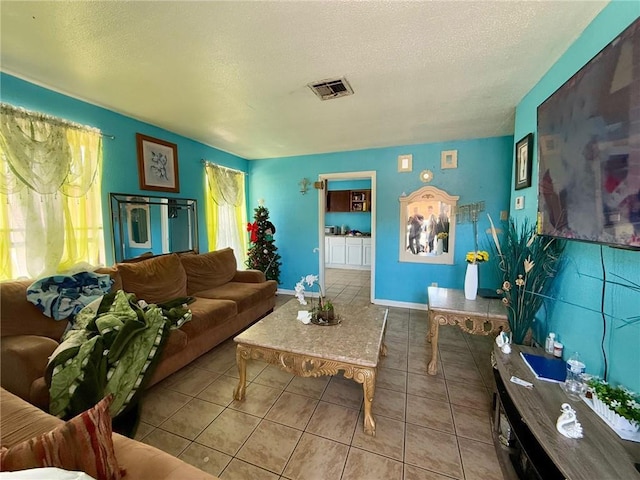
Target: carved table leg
433, 337
367, 376
383, 349
238, 393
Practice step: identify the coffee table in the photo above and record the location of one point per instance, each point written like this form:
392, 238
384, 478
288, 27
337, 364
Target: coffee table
353, 347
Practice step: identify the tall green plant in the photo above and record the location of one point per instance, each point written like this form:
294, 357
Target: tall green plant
529, 264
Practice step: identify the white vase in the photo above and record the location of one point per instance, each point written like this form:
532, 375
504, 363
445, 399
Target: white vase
439, 246
471, 281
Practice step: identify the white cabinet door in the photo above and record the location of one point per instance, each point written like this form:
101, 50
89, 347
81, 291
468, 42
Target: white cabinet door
366, 252
337, 253
326, 250
354, 251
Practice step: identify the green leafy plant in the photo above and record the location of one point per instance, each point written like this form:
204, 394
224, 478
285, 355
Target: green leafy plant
529, 264
619, 399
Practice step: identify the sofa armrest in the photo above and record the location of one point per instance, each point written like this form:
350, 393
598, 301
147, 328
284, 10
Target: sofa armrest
24, 359
249, 276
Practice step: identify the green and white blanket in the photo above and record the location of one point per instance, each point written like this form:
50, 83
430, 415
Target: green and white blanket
112, 348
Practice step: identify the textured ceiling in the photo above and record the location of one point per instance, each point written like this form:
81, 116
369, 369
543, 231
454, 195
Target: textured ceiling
233, 75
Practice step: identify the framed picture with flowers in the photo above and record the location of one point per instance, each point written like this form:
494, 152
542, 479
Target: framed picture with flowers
524, 158
157, 164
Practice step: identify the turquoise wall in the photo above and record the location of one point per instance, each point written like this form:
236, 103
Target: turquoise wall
577, 317
483, 173
120, 170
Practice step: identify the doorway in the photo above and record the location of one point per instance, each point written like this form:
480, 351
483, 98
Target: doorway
325, 180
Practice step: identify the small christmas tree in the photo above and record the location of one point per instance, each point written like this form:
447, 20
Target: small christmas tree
263, 254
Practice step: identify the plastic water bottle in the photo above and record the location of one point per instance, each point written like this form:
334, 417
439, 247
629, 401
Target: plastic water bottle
573, 385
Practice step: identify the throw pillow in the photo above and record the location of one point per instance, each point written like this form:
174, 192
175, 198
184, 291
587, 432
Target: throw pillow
84, 443
156, 280
209, 270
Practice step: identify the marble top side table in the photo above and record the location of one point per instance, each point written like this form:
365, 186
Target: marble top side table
447, 306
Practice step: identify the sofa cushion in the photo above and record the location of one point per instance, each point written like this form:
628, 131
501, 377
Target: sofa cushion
115, 276
176, 341
20, 317
245, 295
84, 443
209, 269
155, 280
207, 314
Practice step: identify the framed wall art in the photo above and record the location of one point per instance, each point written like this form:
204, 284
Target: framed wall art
157, 164
524, 158
405, 163
449, 159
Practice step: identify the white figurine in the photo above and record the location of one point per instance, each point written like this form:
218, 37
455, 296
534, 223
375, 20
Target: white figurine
504, 342
304, 316
567, 423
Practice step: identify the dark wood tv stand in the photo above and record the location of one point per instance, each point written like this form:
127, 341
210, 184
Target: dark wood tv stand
538, 450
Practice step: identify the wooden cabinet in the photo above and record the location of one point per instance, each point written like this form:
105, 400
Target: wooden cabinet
338, 200
348, 200
360, 201
527, 441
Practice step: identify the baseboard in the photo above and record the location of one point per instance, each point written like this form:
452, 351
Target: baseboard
375, 301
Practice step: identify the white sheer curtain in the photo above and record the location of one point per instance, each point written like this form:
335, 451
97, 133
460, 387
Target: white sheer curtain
45, 162
226, 211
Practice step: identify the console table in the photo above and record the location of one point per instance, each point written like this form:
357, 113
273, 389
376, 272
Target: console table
525, 436
448, 306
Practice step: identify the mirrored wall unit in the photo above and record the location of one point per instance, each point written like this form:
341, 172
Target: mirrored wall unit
149, 225
428, 226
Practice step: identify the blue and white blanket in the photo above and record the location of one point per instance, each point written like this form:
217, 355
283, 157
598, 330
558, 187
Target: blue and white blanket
63, 296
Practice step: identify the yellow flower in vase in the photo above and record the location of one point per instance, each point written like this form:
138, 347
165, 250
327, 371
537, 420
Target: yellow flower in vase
477, 257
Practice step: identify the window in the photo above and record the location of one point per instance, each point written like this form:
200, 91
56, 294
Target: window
50, 195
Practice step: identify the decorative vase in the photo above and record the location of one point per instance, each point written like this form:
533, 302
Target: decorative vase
615, 419
471, 281
439, 246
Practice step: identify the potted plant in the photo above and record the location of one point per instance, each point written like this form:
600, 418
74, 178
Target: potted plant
324, 311
529, 264
617, 404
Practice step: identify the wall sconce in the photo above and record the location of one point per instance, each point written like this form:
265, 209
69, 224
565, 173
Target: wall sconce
304, 185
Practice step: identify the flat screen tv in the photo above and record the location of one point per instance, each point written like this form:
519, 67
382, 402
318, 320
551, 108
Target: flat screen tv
589, 149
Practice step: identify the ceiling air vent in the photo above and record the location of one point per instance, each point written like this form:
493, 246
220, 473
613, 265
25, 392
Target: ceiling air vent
333, 88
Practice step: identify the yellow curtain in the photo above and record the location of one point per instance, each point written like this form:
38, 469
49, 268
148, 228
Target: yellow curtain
50, 195
226, 214
83, 228
6, 267
211, 213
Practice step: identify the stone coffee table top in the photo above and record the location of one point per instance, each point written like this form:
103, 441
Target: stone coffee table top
357, 339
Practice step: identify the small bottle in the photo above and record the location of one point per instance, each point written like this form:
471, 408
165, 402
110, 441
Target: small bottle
574, 384
548, 344
557, 349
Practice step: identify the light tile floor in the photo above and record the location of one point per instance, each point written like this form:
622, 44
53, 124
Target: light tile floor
428, 427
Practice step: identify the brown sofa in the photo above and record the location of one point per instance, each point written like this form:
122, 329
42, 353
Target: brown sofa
21, 421
226, 301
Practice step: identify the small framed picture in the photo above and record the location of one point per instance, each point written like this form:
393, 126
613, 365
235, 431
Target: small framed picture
449, 159
157, 164
405, 163
524, 154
